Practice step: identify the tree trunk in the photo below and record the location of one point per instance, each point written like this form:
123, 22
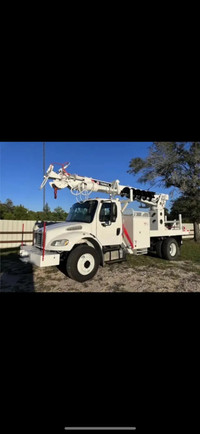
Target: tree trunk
196, 232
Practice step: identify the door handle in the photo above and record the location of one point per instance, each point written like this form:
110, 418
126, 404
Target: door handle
118, 231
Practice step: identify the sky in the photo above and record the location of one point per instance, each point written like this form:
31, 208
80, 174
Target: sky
21, 165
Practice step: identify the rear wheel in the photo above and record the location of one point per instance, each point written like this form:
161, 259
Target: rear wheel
82, 263
170, 249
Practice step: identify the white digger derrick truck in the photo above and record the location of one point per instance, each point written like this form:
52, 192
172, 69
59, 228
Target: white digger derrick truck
99, 231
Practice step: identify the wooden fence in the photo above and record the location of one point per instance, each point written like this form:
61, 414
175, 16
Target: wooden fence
189, 226
14, 232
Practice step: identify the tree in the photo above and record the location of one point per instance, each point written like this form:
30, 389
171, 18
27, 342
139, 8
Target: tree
46, 208
6, 209
174, 164
39, 216
20, 213
9, 205
167, 213
31, 215
9, 211
59, 213
183, 205
46, 212
2, 210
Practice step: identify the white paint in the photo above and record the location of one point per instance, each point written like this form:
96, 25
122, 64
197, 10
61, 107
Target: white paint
34, 256
85, 264
137, 226
173, 249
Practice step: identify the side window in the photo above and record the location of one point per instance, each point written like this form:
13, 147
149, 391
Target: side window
114, 212
105, 213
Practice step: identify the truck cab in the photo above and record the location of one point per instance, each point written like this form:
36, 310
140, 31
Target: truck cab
90, 236
96, 218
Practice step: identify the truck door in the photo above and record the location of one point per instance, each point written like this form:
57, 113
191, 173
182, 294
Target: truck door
109, 224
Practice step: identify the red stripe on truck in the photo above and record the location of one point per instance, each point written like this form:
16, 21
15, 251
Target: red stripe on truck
127, 236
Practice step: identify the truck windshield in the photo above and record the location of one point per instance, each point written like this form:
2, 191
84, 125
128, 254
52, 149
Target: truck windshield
82, 212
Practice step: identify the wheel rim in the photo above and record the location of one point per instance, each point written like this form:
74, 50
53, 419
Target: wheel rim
172, 249
85, 264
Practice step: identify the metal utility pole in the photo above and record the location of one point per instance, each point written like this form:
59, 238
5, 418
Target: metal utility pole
43, 173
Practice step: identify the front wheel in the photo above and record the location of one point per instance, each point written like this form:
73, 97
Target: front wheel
82, 263
170, 249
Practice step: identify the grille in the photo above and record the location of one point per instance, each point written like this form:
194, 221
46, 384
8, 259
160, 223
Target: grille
38, 239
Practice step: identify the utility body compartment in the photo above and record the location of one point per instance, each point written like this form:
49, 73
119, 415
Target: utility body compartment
137, 224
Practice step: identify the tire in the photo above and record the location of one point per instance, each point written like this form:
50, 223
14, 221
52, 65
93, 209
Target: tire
82, 263
62, 265
170, 249
159, 248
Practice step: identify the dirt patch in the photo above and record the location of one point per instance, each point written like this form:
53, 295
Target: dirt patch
182, 276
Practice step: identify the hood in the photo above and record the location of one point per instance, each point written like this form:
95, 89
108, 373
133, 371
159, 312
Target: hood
71, 226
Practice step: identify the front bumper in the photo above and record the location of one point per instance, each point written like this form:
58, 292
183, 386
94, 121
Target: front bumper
33, 255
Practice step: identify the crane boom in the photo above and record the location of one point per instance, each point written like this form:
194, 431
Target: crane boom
63, 179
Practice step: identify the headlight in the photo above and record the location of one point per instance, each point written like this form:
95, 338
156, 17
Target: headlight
60, 243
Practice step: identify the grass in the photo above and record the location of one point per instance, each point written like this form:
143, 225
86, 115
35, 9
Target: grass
190, 251
147, 261
12, 251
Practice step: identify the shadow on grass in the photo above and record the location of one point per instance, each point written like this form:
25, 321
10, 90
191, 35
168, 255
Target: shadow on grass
16, 276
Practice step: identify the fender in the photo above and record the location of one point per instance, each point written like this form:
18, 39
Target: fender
76, 238
93, 242
98, 248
